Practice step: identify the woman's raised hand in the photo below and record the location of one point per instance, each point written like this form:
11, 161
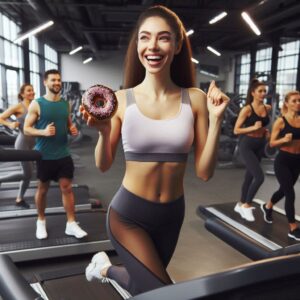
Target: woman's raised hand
217, 101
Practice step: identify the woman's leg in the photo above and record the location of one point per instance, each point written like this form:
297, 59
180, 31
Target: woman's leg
145, 269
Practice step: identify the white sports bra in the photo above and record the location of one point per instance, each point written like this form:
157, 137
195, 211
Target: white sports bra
146, 139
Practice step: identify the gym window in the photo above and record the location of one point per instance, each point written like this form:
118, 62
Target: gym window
34, 66
287, 68
11, 62
263, 63
51, 58
242, 74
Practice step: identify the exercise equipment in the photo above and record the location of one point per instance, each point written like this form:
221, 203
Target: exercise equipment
54, 204
270, 279
258, 239
17, 236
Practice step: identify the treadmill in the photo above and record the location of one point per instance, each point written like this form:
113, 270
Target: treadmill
54, 201
17, 236
257, 240
270, 279
58, 283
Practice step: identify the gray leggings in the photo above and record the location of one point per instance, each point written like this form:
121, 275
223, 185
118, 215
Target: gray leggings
144, 234
22, 143
251, 150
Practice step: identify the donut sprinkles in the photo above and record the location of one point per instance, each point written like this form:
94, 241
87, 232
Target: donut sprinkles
100, 101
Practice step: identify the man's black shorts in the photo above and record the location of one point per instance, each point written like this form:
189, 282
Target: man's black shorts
55, 169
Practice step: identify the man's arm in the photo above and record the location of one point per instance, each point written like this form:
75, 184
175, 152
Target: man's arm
31, 119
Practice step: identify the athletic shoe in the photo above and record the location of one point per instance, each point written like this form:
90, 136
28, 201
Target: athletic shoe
100, 261
248, 213
238, 210
267, 213
41, 232
72, 228
295, 234
22, 204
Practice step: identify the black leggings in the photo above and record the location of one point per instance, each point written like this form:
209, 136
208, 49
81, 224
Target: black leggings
287, 169
144, 234
251, 150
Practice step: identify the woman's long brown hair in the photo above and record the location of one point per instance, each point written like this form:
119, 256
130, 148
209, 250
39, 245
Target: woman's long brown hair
182, 69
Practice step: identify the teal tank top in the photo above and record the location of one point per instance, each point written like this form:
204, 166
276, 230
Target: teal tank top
53, 147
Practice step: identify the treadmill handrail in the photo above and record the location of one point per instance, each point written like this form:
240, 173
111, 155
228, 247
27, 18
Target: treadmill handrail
236, 278
13, 285
254, 235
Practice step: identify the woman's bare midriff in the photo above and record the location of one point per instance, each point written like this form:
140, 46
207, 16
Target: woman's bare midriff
155, 181
292, 147
257, 133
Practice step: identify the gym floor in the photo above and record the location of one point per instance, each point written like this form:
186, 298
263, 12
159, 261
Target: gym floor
198, 252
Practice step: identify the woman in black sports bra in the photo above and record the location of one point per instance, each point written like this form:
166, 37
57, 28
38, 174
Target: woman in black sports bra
251, 124
286, 136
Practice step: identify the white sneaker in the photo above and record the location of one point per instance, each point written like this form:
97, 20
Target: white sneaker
72, 228
99, 262
238, 209
41, 232
248, 213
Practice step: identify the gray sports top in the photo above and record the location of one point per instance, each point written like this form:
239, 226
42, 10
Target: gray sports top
146, 139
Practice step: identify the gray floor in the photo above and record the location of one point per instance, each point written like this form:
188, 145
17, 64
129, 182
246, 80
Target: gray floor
198, 252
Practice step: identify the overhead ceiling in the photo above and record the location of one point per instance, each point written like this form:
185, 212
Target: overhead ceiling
106, 25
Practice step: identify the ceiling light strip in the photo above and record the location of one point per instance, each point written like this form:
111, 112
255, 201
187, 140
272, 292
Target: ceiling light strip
86, 61
218, 17
250, 22
214, 51
34, 31
75, 50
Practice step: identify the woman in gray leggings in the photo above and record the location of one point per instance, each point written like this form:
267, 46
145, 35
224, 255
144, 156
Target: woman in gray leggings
251, 124
23, 142
160, 115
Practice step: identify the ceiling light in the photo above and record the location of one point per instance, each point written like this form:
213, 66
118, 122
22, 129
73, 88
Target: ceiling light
190, 32
214, 51
218, 17
34, 31
194, 60
75, 50
252, 25
86, 61
208, 74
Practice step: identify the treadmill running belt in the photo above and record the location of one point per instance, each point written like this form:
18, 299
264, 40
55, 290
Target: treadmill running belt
54, 198
18, 239
78, 288
276, 232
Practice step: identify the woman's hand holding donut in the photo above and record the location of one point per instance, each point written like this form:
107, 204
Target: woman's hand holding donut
73, 129
103, 126
217, 101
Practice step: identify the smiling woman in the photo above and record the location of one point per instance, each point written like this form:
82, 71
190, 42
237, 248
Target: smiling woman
159, 116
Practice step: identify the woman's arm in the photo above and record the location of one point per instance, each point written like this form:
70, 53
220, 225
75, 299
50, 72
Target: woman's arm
208, 113
243, 115
6, 114
277, 127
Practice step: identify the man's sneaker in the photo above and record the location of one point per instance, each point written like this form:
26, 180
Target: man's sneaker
72, 228
238, 210
41, 232
267, 213
22, 204
248, 213
295, 234
100, 261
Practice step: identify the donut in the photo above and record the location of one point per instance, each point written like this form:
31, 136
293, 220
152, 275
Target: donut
100, 102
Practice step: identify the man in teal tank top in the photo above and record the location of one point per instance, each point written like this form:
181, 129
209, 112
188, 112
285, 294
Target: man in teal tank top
49, 120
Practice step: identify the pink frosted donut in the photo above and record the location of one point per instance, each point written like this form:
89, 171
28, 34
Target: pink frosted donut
100, 101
